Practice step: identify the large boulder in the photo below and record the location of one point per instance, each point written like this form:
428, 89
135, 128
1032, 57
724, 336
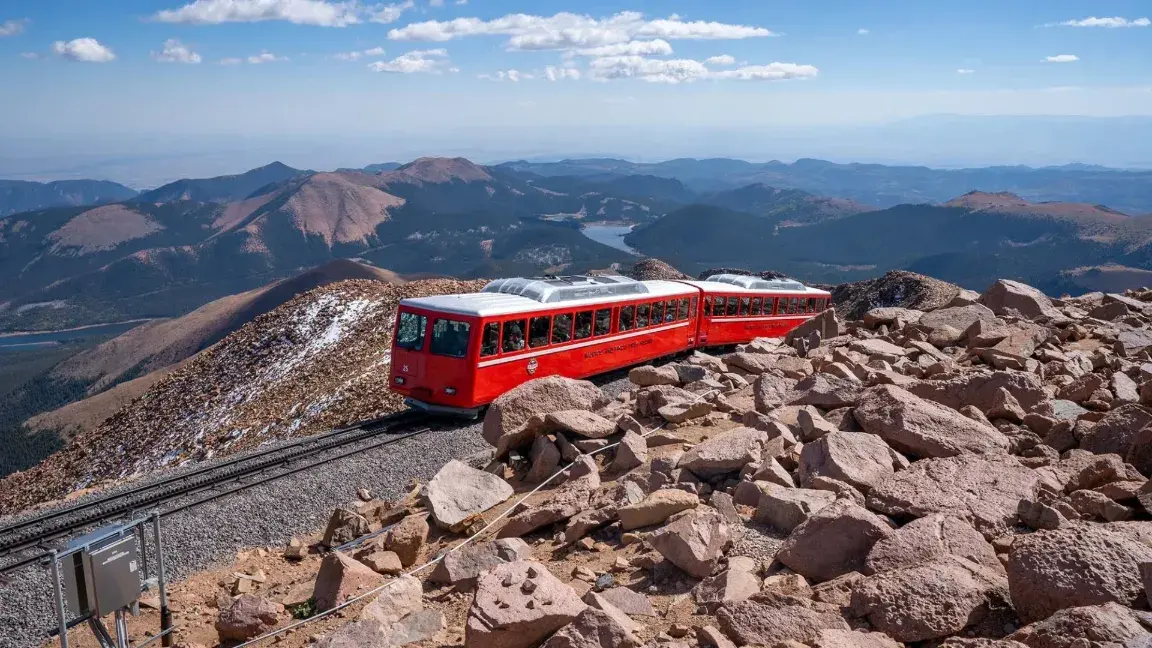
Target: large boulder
770, 391
826, 391
958, 318
656, 508
459, 492
462, 568
856, 458
649, 375
926, 538
724, 453
980, 389
1086, 626
506, 425
1118, 429
983, 489
694, 542
853, 639
407, 537
825, 324
594, 629
922, 428
401, 597
340, 578
833, 541
932, 600
569, 499
786, 508
247, 617
889, 314
344, 526
1006, 297
581, 423
771, 619
517, 605
1077, 565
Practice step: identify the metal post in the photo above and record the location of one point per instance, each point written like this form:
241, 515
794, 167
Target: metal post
61, 615
165, 613
143, 549
121, 629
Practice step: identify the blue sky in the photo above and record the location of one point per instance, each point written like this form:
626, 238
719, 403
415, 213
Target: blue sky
175, 68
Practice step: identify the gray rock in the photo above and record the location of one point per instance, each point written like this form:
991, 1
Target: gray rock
462, 568
459, 492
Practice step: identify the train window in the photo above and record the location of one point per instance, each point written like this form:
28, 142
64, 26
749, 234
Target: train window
562, 328
707, 305
793, 305
733, 306
692, 308
583, 325
657, 313
718, 308
603, 321
811, 304
756, 305
490, 343
450, 338
683, 312
513, 339
745, 304
627, 318
410, 332
538, 331
641, 315
670, 311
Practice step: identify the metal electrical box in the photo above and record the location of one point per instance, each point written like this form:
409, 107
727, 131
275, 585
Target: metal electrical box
104, 577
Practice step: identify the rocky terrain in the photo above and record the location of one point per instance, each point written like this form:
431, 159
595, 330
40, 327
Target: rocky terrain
317, 362
970, 474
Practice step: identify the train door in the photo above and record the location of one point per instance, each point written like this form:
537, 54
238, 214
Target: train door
703, 320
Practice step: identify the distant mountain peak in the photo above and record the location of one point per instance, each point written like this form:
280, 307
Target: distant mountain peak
983, 199
437, 170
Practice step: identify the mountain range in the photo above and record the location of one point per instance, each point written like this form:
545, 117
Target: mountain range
19, 195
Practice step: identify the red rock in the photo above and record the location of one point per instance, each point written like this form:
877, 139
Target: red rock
656, 508
1007, 297
407, 538
770, 619
694, 542
247, 617
724, 453
399, 598
926, 538
1085, 626
788, 508
341, 578
833, 541
463, 567
582, 423
922, 428
859, 459
517, 605
505, 424
593, 629
853, 639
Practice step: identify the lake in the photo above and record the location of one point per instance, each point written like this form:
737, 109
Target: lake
30, 341
610, 235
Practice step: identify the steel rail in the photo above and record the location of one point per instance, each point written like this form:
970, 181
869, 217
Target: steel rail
172, 488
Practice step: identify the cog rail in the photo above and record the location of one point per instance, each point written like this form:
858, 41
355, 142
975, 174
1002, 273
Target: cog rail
261, 467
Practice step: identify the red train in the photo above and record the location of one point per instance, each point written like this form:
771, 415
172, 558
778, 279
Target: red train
457, 353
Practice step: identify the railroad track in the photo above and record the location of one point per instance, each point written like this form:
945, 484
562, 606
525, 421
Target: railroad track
211, 482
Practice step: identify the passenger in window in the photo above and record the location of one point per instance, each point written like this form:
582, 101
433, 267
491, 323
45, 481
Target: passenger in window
538, 331
755, 306
745, 304
627, 318
513, 336
642, 316
603, 321
733, 306
657, 313
683, 313
491, 339
562, 328
707, 305
583, 325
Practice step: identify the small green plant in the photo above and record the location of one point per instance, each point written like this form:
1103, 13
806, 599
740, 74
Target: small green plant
304, 610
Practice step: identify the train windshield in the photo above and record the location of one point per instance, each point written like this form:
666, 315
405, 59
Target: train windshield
450, 338
410, 331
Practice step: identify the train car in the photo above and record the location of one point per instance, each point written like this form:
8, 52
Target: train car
737, 308
454, 354
457, 353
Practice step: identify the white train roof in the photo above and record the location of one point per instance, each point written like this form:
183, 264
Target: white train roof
520, 295
795, 288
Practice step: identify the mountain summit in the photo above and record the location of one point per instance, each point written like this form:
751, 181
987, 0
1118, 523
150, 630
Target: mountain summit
439, 170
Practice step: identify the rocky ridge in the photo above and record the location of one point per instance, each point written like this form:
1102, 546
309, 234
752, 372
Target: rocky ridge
317, 362
969, 475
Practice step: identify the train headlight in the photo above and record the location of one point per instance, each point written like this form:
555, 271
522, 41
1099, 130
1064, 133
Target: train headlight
399, 380
451, 391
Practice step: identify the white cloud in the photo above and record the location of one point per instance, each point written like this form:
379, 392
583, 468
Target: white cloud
568, 30
515, 76
357, 55
723, 59
965, 71
553, 73
13, 27
31, 55
1062, 58
88, 50
656, 47
391, 13
435, 3
688, 70
231, 61
769, 72
429, 61
265, 57
1112, 22
176, 52
863, 32
301, 12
